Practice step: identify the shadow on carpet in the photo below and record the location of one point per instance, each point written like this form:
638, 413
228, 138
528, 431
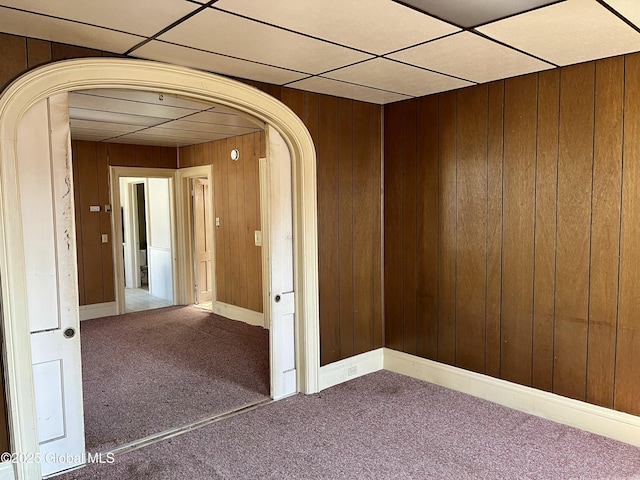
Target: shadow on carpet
147, 372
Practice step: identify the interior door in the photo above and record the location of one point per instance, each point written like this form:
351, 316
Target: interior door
202, 239
159, 238
46, 202
282, 300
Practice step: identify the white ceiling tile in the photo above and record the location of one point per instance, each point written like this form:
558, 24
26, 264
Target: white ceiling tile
566, 33
113, 117
397, 77
375, 26
630, 9
155, 98
470, 14
141, 139
469, 56
347, 90
142, 17
130, 107
63, 31
89, 135
113, 128
228, 34
210, 127
177, 133
225, 119
166, 52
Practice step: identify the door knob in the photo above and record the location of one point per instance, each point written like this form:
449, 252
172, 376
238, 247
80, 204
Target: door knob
69, 333
277, 299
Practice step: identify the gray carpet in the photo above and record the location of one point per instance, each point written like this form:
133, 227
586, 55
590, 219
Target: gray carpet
380, 426
151, 371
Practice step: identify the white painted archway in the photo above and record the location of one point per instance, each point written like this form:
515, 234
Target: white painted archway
142, 75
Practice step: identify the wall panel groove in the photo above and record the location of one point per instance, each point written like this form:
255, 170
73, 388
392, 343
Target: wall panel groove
527, 229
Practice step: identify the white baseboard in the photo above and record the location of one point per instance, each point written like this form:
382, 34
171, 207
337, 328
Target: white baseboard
97, 310
239, 313
350, 368
585, 416
6, 471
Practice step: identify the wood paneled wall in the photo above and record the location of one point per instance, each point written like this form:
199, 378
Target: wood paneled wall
347, 136
236, 189
91, 161
344, 331
511, 227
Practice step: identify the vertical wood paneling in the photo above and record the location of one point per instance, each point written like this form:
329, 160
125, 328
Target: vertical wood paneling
13, 52
545, 240
252, 222
345, 225
562, 196
409, 232
471, 264
575, 167
219, 202
89, 189
627, 387
241, 226
427, 228
447, 229
376, 206
393, 227
364, 199
78, 220
605, 231
518, 227
328, 226
144, 156
108, 281
494, 227
38, 52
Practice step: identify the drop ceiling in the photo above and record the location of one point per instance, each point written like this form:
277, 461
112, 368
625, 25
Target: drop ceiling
152, 118
378, 51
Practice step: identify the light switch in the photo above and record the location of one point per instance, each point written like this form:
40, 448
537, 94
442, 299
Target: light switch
217, 221
105, 238
107, 208
258, 238
94, 208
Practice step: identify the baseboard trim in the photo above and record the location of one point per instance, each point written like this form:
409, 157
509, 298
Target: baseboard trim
239, 313
97, 310
350, 368
585, 416
6, 471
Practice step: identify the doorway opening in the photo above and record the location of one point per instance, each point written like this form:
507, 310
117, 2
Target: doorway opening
53, 79
145, 215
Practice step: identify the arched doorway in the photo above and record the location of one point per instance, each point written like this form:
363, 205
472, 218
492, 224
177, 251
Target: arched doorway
72, 75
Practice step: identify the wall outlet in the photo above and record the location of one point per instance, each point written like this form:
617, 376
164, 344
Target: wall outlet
352, 371
105, 238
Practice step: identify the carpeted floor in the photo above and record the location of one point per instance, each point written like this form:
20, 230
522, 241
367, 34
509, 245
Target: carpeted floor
380, 426
151, 371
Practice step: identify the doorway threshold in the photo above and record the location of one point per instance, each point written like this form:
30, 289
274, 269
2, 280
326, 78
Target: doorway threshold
173, 432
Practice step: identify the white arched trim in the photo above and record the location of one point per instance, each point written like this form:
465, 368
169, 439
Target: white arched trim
81, 74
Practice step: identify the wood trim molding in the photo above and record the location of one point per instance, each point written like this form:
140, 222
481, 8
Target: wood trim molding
350, 368
78, 74
6, 471
585, 416
97, 310
240, 314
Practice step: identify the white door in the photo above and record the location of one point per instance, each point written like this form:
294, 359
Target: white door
282, 300
159, 238
46, 202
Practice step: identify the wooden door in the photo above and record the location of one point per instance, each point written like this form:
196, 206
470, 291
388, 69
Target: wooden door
202, 240
48, 229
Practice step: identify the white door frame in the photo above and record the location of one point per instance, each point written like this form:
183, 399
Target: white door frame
186, 267
141, 75
136, 174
